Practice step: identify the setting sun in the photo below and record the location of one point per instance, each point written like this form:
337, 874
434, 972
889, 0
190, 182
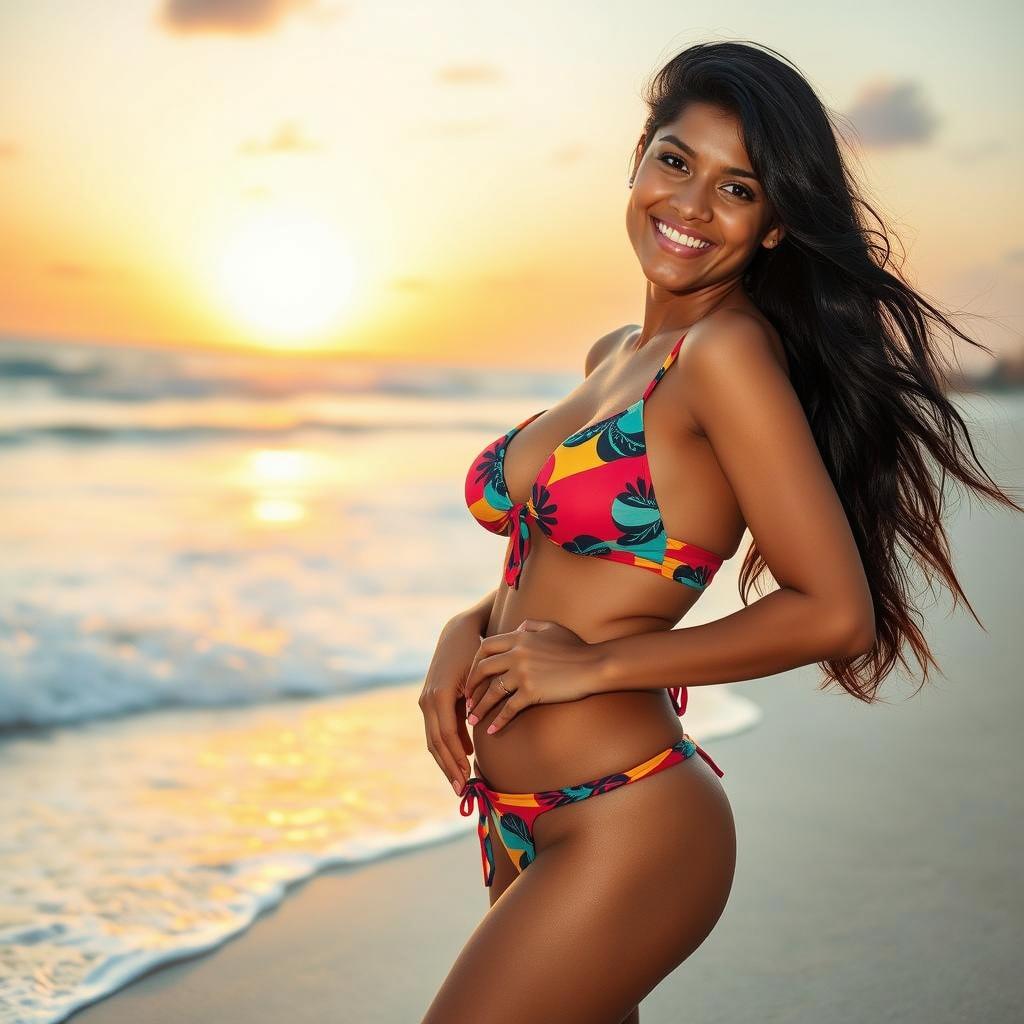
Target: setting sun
285, 276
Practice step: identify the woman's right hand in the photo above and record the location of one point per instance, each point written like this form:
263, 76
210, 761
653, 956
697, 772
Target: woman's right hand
443, 700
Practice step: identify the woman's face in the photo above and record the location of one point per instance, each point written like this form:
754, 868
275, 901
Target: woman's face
686, 183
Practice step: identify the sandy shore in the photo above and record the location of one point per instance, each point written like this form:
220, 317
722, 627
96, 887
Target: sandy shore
878, 873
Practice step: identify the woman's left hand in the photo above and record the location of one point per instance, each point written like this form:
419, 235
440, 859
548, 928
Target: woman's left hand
540, 662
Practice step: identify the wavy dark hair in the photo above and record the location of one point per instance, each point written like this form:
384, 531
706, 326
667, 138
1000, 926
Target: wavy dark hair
867, 373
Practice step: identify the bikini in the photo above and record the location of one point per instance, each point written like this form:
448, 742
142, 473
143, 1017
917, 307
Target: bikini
593, 496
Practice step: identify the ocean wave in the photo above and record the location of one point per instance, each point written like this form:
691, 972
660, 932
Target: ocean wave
58, 671
93, 433
134, 375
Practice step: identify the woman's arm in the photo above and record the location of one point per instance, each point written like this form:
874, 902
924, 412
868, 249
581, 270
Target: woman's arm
443, 687
478, 614
745, 405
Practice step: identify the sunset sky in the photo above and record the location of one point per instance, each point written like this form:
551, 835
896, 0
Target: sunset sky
444, 180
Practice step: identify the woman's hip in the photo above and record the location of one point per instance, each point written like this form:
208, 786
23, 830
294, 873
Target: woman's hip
673, 799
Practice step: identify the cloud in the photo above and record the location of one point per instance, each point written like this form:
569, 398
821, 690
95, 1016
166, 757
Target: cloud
232, 17
287, 139
891, 114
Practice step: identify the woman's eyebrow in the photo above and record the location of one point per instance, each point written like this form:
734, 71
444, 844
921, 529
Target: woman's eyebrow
739, 171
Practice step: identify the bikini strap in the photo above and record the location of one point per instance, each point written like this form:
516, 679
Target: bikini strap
669, 360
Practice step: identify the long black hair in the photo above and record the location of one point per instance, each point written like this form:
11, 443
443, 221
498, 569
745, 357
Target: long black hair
868, 375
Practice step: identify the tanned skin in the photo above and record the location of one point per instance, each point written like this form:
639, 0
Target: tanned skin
628, 884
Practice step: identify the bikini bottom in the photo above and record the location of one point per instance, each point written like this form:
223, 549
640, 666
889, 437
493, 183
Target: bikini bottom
512, 815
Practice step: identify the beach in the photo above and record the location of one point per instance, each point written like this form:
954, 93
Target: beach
260, 409
218, 800
877, 877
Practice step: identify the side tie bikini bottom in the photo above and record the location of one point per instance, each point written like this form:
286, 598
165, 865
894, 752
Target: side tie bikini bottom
512, 815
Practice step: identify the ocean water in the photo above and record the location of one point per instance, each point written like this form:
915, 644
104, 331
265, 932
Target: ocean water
223, 578
192, 543
187, 530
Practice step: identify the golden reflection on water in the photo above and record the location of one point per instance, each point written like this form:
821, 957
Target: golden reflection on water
316, 780
141, 833
281, 481
278, 510
155, 832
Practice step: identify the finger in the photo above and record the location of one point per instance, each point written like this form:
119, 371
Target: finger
464, 737
476, 678
468, 684
439, 749
480, 704
431, 734
472, 681
512, 706
533, 625
476, 691
477, 695
486, 666
499, 688
449, 734
473, 696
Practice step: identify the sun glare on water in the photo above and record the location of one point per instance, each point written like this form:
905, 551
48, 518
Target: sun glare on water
281, 482
285, 276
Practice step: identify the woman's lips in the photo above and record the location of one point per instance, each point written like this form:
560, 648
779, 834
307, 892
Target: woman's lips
686, 251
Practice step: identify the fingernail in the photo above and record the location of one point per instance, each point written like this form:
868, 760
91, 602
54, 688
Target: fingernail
456, 787
473, 719
469, 705
491, 727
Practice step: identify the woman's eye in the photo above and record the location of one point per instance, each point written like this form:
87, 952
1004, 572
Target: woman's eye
744, 192
672, 156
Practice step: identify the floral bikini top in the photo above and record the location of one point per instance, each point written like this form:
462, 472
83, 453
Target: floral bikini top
593, 496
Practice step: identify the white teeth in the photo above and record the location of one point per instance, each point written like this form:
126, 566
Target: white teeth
693, 243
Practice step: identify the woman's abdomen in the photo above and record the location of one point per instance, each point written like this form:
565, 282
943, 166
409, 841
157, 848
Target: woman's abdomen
547, 746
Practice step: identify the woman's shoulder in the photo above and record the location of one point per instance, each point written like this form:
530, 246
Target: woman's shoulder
606, 345
727, 332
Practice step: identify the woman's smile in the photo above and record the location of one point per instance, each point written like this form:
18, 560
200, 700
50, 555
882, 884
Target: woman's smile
679, 243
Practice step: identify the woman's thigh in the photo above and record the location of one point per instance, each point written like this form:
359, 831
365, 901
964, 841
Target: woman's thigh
625, 886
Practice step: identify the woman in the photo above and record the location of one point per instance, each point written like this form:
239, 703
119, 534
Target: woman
782, 380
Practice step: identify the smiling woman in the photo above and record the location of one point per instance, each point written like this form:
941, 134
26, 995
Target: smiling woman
806, 405
285, 276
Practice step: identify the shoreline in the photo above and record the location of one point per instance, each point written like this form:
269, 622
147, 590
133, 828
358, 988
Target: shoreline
877, 873
877, 876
